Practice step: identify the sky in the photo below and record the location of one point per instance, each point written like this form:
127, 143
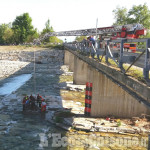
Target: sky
65, 15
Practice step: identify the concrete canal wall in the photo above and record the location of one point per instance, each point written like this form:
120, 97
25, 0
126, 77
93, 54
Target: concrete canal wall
113, 93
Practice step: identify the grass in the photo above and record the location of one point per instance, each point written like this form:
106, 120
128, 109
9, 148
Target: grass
136, 73
8, 48
53, 46
65, 78
133, 71
73, 95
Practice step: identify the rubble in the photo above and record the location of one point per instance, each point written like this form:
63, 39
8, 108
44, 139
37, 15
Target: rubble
82, 123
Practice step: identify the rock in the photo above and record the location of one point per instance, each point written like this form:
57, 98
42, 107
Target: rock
83, 128
68, 121
3, 128
63, 126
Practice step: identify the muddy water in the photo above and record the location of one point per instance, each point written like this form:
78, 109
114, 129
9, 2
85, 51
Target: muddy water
19, 131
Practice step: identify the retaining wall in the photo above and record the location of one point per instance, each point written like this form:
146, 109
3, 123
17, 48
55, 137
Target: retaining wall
113, 92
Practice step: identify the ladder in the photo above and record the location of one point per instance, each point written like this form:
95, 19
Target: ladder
92, 31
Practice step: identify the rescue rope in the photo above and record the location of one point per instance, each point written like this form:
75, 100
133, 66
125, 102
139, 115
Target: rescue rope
34, 80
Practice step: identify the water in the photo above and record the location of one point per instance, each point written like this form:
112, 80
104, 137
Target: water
14, 84
18, 130
21, 131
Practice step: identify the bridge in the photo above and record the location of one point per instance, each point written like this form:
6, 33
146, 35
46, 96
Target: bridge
114, 93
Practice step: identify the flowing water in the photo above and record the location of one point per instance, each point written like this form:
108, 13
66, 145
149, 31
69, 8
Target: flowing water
19, 131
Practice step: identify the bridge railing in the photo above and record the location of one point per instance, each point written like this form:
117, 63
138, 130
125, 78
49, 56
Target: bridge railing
114, 49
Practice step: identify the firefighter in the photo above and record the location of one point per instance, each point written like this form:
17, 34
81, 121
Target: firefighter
32, 98
32, 102
24, 102
38, 99
43, 106
27, 103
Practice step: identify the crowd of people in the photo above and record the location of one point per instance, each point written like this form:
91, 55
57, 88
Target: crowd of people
32, 103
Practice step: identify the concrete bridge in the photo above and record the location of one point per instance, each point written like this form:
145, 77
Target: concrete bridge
113, 93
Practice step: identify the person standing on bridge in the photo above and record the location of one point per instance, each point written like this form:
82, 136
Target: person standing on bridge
92, 40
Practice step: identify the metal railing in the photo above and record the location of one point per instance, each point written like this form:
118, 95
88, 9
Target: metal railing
119, 55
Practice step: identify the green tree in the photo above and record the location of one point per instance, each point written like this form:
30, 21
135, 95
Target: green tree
120, 16
32, 36
80, 38
48, 29
6, 34
139, 14
23, 28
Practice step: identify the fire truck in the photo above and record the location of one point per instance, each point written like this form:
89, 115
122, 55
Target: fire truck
130, 47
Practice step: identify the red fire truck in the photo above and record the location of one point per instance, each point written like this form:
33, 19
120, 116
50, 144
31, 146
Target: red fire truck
130, 47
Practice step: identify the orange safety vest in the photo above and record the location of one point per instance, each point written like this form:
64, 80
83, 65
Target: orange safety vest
43, 107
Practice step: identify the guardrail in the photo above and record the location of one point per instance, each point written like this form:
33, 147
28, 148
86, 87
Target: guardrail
119, 55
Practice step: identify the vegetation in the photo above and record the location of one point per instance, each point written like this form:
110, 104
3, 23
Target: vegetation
120, 15
21, 31
80, 38
48, 29
137, 14
6, 34
133, 72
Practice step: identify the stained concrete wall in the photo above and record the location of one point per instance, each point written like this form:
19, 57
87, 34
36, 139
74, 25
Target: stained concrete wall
80, 71
69, 60
66, 57
109, 98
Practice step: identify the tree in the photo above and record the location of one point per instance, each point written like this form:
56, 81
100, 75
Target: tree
48, 29
139, 14
33, 36
6, 34
120, 16
80, 38
23, 29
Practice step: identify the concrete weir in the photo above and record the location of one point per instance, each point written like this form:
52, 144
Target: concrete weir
113, 93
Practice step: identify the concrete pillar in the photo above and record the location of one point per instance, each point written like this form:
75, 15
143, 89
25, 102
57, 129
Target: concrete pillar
80, 71
110, 99
66, 57
71, 61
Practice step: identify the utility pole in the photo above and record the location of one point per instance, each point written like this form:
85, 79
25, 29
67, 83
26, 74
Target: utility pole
96, 27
